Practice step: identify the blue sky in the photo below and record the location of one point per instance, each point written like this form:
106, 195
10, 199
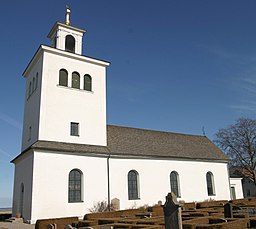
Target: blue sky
175, 65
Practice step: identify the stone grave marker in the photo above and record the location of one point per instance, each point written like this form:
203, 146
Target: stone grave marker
172, 212
115, 203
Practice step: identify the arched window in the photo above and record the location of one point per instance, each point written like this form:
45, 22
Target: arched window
175, 183
63, 77
75, 186
29, 133
133, 185
87, 82
30, 88
36, 79
210, 184
21, 201
70, 43
75, 80
33, 84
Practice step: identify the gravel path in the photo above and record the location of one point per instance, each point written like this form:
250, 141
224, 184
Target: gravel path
16, 225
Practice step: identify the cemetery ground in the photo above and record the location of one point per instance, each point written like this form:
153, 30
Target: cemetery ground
209, 214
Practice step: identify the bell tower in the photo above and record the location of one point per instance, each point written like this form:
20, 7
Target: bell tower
66, 91
65, 37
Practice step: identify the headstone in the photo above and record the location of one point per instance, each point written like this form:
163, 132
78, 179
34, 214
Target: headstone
52, 226
172, 212
228, 210
115, 203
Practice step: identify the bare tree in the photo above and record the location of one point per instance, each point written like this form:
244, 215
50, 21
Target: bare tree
238, 141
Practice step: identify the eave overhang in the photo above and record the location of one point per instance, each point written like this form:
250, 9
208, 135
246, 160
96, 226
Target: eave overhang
44, 48
50, 34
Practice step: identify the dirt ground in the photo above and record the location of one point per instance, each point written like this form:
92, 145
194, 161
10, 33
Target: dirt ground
16, 225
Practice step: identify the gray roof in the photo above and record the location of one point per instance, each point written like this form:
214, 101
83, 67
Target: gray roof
134, 142
141, 142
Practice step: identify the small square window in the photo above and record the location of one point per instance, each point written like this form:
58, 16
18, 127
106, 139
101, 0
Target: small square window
74, 129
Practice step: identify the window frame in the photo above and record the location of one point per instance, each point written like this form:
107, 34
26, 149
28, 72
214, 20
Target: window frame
133, 185
75, 186
87, 82
74, 74
33, 84
29, 133
36, 80
70, 41
74, 129
64, 71
175, 183
30, 89
210, 184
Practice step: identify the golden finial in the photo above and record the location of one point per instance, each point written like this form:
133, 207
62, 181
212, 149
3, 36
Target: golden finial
67, 21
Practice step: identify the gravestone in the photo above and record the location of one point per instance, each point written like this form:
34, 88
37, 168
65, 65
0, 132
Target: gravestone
172, 212
52, 226
115, 203
228, 210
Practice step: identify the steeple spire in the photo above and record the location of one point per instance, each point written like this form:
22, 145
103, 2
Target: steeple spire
67, 21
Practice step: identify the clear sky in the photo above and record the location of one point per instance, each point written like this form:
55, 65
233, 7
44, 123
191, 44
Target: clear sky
175, 65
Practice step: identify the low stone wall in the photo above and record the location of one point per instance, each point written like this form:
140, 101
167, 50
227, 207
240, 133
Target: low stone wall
60, 222
205, 215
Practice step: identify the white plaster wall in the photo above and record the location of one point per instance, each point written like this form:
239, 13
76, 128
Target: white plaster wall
154, 177
32, 106
237, 184
50, 184
23, 174
62, 105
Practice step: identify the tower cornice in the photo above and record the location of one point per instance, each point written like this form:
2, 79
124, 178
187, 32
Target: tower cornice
44, 48
59, 24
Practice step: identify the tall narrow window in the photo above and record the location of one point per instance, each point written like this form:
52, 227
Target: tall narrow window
74, 129
174, 180
87, 82
75, 186
75, 80
29, 133
210, 184
133, 185
233, 193
21, 199
34, 84
30, 89
70, 43
63, 77
36, 79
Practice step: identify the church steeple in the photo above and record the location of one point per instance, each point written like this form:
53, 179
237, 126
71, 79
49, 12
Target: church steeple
66, 92
66, 37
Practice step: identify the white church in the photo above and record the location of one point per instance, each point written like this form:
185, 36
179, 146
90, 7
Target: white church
71, 159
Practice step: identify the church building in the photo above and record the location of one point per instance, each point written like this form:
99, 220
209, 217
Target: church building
71, 159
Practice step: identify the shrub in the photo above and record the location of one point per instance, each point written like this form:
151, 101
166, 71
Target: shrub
100, 206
